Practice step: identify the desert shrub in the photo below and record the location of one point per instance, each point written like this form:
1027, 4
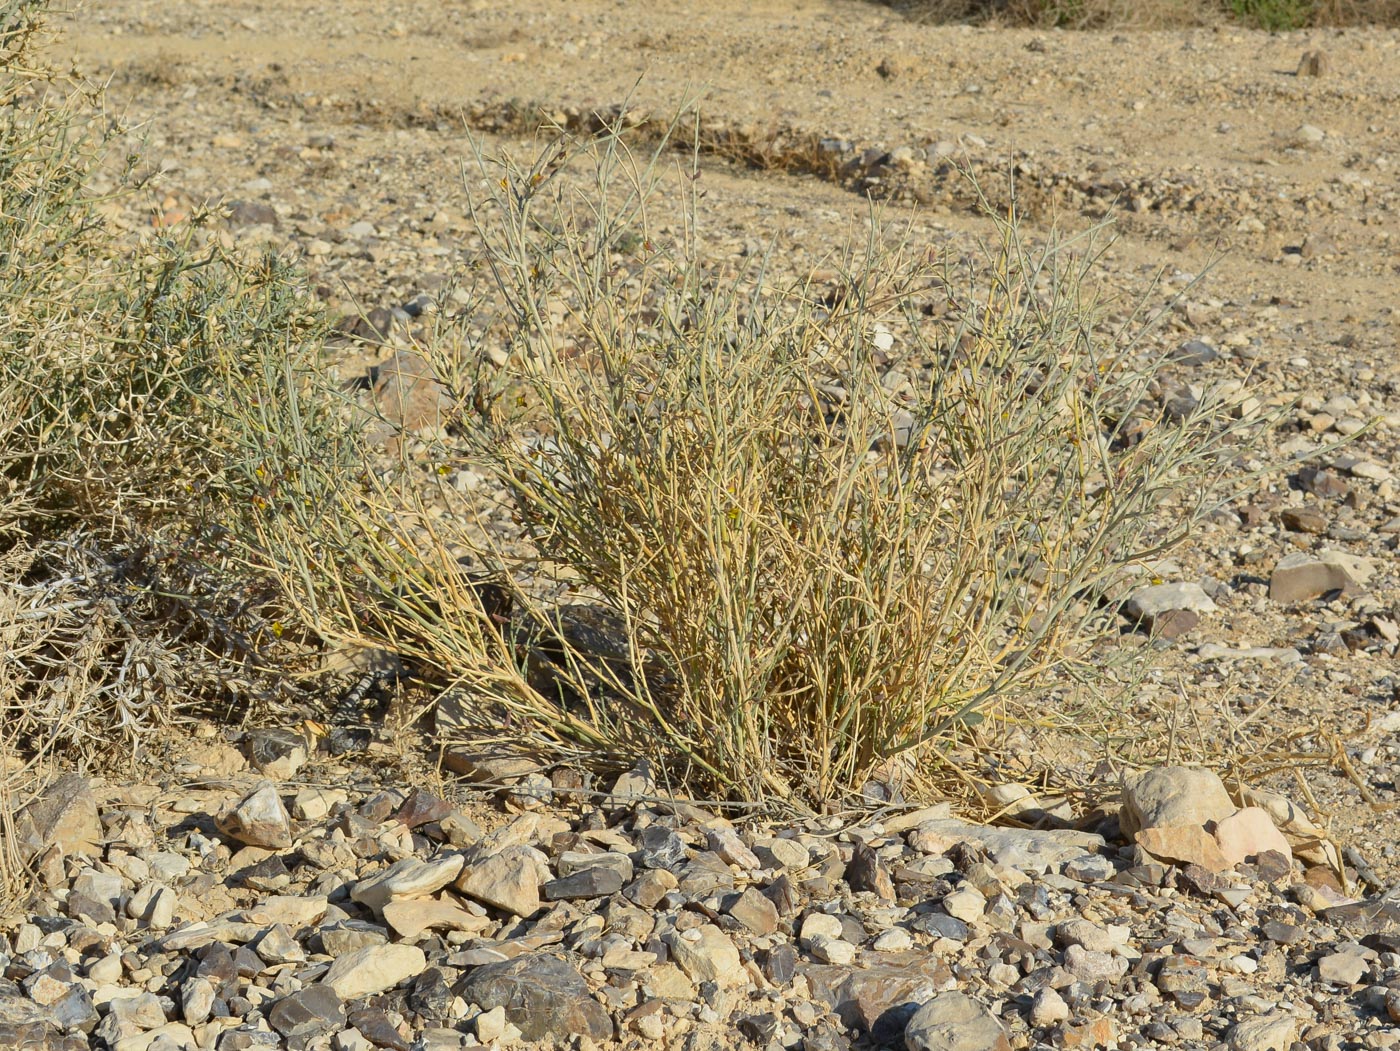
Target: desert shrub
806, 577
121, 610
821, 578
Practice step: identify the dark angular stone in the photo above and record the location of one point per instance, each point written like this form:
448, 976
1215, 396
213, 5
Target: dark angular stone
942, 925
269, 874
1322, 482
1201, 880
87, 942
305, 1015
247, 963
1303, 520
882, 999
596, 881
1282, 933
378, 807
780, 963
1035, 899
1195, 352
759, 1028
1172, 623
431, 995
378, 1028
866, 872
783, 895
90, 910
543, 996
215, 962
74, 1011
422, 807
705, 874
1273, 865
660, 848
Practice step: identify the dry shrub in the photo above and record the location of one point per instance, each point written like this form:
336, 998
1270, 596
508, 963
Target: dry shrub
121, 608
795, 580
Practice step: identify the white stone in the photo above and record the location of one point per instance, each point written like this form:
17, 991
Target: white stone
965, 904
374, 969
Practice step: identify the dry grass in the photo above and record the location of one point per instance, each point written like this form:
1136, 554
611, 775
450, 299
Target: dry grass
810, 579
119, 611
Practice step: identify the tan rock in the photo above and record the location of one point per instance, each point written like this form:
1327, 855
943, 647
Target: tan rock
1183, 844
296, 911
411, 918
955, 1020
509, 880
1249, 832
706, 954
409, 395
1301, 576
1174, 795
1271, 1032
64, 816
374, 969
1309, 842
258, 819
405, 879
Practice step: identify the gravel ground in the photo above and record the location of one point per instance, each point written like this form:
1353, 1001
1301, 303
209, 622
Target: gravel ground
341, 132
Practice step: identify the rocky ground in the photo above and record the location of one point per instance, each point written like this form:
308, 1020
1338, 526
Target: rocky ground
249, 899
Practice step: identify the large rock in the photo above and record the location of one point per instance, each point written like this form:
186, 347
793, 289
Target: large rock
307, 1014
258, 819
543, 996
1183, 844
1309, 843
374, 969
1301, 576
1174, 795
411, 918
880, 999
407, 878
409, 395
1249, 832
1271, 1032
955, 1022
706, 954
1149, 605
509, 880
64, 816
1027, 850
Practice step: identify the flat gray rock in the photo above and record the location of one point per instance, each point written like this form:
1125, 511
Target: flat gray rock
955, 1022
1027, 850
543, 996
